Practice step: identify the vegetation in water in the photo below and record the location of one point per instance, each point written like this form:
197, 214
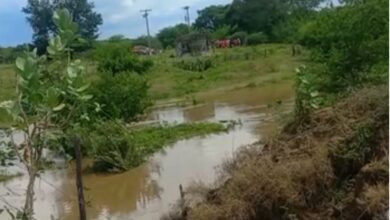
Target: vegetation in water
4, 177
115, 147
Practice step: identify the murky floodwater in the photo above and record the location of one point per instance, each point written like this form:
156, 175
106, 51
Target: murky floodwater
151, 189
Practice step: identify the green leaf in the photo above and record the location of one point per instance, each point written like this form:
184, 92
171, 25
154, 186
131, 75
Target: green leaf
72, 72
59, 107
86, 97
52, 97
83, 88
20, 63
314, 94
6, 104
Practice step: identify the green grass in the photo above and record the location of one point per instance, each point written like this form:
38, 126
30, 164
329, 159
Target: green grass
158, 137
232, 68
7, 91
6, 176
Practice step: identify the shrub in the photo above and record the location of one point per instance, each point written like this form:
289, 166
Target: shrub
122, 96
198, 64
257, 38
242, 35
306, 96
349, 41
116, 57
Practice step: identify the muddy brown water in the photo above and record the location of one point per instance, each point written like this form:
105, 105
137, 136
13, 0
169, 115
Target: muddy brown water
148, 191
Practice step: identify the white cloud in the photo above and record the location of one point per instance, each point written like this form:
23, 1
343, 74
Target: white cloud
124, 16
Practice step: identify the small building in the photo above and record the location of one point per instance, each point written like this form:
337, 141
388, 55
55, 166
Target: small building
193, 43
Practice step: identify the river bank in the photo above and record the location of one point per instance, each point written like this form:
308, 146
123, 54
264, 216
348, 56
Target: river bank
333, 167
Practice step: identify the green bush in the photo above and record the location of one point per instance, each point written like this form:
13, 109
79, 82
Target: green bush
242, 35
351, 43
116, 57
122, 96
198, 64
257, 38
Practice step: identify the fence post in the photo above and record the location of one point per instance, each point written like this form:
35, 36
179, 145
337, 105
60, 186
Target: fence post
79, 180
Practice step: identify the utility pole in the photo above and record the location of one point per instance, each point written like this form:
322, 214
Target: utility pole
187, 16
145, 15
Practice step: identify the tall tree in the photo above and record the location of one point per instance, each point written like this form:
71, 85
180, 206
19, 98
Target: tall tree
39, 13
39, 16
168, 35
83, 15
256, 15
263, 15
211, 18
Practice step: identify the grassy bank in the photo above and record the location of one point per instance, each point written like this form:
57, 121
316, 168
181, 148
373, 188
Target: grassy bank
116, 148
333, 167
230, 68
6, 176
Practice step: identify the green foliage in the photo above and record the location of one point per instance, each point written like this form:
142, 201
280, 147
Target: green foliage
349, 157
168, 36
199, 64
257, 38
262, 15
221, 33
211, 18
117, 148
9, 54
40, 12
4, 177
287, 29
242, 35
351, 43
307, 97
116, 57
122, 96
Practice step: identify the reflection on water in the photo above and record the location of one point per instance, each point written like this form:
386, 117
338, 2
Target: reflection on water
150, 189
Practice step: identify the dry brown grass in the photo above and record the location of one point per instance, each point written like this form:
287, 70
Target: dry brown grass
307, 172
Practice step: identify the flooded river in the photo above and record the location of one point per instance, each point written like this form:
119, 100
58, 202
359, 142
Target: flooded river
152, 188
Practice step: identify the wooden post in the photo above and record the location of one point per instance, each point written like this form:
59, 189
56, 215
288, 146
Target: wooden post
79, 180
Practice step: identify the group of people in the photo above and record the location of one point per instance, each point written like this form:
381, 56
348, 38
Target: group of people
226, 43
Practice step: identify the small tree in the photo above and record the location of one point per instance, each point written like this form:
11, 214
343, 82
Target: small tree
307, 97
51, 95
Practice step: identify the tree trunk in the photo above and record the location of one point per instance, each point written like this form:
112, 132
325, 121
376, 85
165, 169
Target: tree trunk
79, 180
29, 203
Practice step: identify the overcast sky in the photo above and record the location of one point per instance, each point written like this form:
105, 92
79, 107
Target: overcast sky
119, 17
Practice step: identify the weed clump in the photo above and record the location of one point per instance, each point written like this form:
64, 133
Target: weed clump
198, 64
